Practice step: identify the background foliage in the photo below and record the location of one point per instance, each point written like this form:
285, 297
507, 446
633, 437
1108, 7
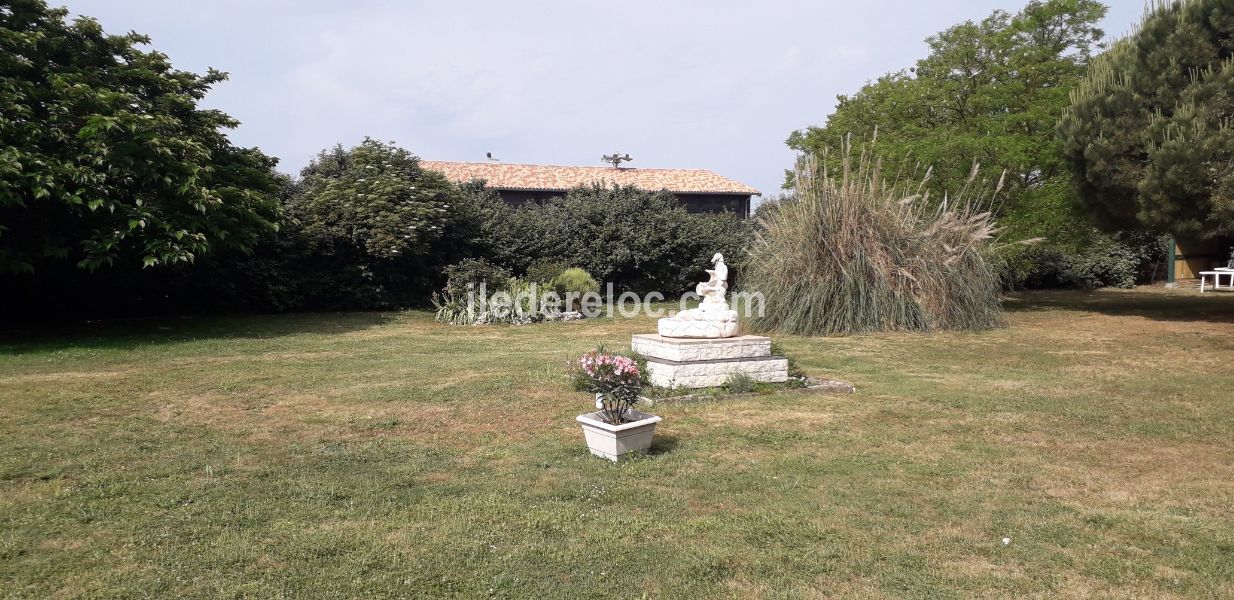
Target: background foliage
118, 195
1117, 260
990, 92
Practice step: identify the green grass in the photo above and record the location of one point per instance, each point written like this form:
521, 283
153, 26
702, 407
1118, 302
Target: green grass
385, 455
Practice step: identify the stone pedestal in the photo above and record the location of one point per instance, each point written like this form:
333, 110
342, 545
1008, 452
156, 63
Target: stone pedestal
699, 363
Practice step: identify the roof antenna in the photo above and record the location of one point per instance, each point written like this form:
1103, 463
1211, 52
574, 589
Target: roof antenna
616, 159
490, 157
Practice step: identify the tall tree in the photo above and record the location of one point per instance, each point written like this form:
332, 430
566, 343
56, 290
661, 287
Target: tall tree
378, 227
988, 92
1148, 133
105, 157
375, 198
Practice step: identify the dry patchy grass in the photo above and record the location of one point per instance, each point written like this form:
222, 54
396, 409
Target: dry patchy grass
386, 455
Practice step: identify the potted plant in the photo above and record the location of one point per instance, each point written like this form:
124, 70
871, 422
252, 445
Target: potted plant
615, 428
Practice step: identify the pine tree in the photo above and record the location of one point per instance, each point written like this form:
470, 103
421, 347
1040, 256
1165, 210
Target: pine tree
1148, 131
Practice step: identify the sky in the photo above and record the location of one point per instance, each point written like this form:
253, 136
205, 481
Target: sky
714, 85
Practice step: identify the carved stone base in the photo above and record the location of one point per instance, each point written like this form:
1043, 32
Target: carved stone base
685, 350
697, 363
715, 373
674, 328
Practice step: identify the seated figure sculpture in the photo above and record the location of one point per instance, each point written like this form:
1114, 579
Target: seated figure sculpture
712, 318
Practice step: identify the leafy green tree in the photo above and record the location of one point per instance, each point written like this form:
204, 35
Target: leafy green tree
376, 198
378, 228
104, 156
1148, 133
988, 92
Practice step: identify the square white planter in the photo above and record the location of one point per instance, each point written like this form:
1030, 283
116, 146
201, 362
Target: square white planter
612, 441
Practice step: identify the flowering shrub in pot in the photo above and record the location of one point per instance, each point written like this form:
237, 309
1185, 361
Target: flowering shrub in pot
615, 428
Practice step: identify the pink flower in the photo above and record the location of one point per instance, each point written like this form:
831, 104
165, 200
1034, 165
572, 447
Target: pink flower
607, 370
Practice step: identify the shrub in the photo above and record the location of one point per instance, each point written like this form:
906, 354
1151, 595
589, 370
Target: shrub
739, 383
1040, 267
616, 380
518, 302
377, 229
375, 197
544, 270
514, 301
579, 380
574, 283
484, 227
1120, 260
853, 254
474, 273
452, 310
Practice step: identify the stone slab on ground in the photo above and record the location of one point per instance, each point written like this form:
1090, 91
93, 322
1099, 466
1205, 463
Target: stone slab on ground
714, 373
654, 345
830, 385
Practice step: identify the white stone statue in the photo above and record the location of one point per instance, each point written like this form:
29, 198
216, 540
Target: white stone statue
712, 291
712, 318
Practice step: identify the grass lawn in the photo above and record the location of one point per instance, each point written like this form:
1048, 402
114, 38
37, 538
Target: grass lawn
365, 454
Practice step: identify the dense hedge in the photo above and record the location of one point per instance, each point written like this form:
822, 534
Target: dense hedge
1119, 260
636, 240
367, 228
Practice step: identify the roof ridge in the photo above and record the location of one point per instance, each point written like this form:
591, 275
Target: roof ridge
520, 164
531, 176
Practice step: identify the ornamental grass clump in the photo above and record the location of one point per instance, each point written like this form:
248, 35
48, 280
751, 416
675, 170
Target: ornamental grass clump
614, 379
516, 302
851, 253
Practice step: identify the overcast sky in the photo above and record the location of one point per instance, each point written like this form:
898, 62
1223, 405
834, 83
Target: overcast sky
716, 85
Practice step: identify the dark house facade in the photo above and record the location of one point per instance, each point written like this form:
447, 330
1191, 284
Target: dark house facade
698, 190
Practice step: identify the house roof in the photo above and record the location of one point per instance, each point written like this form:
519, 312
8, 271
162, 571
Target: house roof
511, 176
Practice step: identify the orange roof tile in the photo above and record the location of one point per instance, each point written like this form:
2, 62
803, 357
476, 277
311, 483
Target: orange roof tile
511, 176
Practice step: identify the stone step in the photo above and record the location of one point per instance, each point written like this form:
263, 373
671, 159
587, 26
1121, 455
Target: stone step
690, 349
714, 373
